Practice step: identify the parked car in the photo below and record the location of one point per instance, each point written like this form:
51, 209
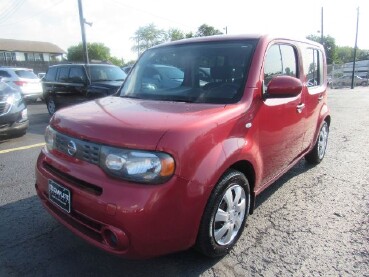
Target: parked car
22, 80
127, 68
13, 111
345, 81
68, 84
41, 75
168, 167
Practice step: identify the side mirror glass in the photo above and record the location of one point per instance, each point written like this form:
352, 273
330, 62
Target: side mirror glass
283, 86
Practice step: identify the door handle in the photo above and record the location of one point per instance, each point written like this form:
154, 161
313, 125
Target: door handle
320, 98
300, 107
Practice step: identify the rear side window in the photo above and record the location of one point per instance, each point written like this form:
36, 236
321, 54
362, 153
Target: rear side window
28, 74
280, 60
77, 75
4, 74
51, 74
63, 74
313, 67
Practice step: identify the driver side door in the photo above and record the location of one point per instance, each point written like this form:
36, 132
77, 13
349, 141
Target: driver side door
281, 130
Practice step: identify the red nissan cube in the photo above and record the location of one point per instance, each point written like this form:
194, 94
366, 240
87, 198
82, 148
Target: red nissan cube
176, 158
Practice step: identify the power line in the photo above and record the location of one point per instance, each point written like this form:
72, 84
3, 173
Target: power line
13, 7
31, 16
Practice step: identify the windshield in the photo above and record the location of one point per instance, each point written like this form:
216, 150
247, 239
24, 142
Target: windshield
100, 73
212, 72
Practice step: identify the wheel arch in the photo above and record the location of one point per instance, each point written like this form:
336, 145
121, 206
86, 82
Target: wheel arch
248, 170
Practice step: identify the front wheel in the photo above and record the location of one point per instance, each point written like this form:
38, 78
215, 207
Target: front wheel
225, 215
316, 155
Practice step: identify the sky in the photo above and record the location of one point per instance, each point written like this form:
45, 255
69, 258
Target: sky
114, 22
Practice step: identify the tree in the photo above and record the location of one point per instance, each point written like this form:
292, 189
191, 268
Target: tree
96, 51
148, 36
189, 35
345, 54
329, 44
205, 30
175, 34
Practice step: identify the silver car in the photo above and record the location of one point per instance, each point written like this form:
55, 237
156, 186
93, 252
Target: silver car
23, 80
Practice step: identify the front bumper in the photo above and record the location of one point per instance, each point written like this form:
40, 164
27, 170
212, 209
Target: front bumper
127, 219
13, 122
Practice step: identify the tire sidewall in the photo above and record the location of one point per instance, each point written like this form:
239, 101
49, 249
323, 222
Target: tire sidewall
48, 100
207, 242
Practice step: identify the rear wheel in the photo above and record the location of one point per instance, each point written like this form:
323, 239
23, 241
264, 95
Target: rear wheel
316, 155
225, 215
51, 105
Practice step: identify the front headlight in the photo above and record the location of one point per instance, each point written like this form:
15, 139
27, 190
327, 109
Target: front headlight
50, 136
136, 165
13, 98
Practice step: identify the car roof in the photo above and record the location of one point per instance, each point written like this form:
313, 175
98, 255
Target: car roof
82, 64
15, 68
265, 37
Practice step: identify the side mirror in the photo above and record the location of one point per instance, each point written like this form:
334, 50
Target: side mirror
283, 86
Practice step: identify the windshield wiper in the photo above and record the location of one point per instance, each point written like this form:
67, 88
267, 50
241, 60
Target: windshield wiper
131, 97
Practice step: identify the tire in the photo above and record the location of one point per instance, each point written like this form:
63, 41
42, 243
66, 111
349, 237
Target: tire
316, 155
51, 105
225, 215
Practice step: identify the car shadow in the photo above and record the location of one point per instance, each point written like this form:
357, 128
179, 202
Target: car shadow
34, 243
301, 167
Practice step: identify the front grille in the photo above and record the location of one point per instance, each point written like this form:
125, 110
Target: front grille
88, 187
83, 224
86, 151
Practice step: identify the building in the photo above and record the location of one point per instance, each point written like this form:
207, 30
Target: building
31, 54
361, 68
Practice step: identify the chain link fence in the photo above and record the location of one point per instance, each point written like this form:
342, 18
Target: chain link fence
340, 75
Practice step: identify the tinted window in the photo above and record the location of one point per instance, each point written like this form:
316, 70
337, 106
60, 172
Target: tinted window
63, 74
106, 73
313, 67
51, 74
212, 72
77, 74
280, 60
4, 74
28, 74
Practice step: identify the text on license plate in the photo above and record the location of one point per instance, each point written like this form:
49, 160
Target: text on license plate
59, 195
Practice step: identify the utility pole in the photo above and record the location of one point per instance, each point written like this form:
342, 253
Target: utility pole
82, 23
353, 64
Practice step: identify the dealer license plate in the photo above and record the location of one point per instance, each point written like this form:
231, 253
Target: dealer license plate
60, 196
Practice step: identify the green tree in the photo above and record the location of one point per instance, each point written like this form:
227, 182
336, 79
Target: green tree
189, 35
205, 30
175, 34
329, 44
345, 54
148, 36
96, 51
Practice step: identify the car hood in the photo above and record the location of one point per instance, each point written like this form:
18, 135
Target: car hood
130, 123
